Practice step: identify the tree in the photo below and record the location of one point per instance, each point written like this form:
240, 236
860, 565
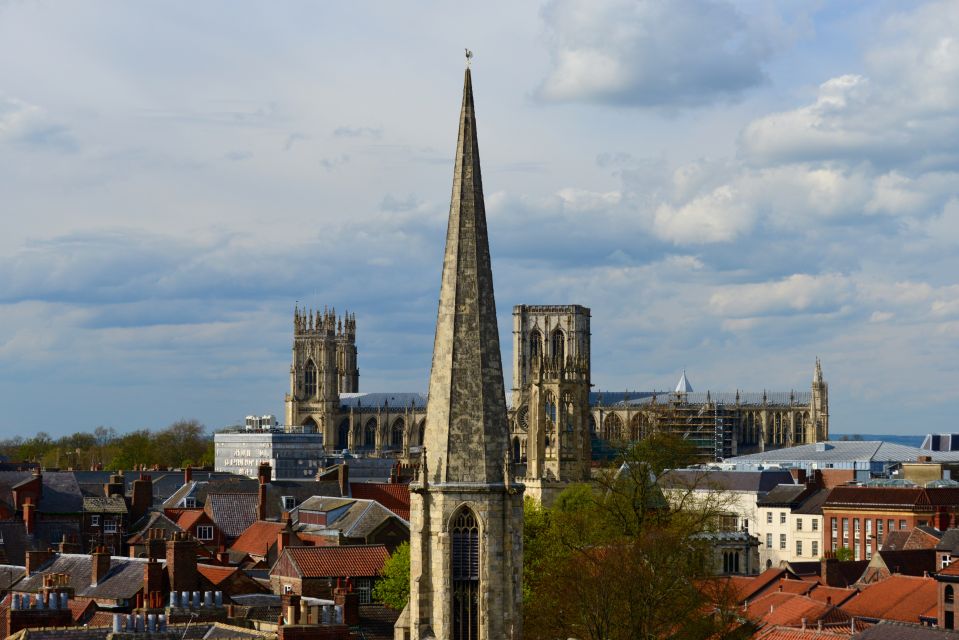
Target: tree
393, 589
843, 554
625, 558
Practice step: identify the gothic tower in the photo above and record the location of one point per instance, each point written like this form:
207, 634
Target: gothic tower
551, 363
819, 414
466, 509
323, 366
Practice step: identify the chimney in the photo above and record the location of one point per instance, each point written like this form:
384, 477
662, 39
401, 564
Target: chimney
344, 477
155, 544
350, 601
264, 472
65, 546
29, 516
181, 562
188, 475
115, 487
261, 493
99, 565
142, 499
283, 538
829, 570
36, 559
290, 606
152, 579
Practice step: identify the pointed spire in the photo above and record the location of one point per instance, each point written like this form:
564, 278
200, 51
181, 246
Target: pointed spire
817, 373
683, 385
466, 427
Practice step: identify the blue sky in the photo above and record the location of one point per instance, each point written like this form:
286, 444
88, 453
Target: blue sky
732, 188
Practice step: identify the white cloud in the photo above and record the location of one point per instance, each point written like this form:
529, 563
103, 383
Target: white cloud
650, 53
800, 292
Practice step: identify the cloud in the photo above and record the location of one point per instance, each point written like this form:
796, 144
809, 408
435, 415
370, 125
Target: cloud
358, 132
28, 125
653, 54
334, 163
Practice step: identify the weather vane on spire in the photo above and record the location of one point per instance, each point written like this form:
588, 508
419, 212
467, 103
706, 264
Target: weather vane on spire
469, 57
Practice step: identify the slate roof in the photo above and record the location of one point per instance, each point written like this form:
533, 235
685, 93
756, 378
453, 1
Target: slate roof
949, 541
370, 400
10, 574
849, 571
377, 621
165, 483
898, 597
881, 497
843, 451
353, 518
13, 536
124, 579
910, 562
886, 630
636, 398
364, 560
232, 512
754, 481
785, 495
275, 491
112, 504
60, 494
395, 496
812, 505
153, 520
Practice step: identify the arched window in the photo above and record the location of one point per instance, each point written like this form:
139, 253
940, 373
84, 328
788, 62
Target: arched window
949, 594
369, 434
550, 406
516, 453
396, 434
612, 427
343, 435
559, 345
465, 566
309, 379
535, 344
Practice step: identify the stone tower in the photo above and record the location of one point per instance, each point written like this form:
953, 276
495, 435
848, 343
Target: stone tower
551, 382
466, 509
323, 366
819, 407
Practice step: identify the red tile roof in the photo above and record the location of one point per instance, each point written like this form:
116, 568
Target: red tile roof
189, 518
348, 561
791, 633
258, 537
392, 495
832, 595
762, 582
215, 575
898, 597
790, 609
81, 607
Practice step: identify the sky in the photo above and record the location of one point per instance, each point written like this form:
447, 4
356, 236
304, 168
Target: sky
733, 189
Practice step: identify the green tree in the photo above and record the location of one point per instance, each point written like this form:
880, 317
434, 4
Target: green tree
625, 558
393, 589
844, 554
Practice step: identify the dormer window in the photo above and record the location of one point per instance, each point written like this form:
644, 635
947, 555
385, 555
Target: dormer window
289, 503
189, 503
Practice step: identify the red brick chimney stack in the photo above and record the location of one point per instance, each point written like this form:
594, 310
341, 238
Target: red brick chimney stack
142, 498
188, 475
99, 565
350, 601
29, 516
36, 559
263, 473
181, 562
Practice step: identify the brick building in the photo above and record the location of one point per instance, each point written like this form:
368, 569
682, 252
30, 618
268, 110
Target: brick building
859, 517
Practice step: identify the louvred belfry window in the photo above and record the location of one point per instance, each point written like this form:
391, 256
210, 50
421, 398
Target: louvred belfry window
309, 379
465, 566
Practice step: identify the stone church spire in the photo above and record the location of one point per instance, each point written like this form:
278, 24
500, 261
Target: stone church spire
466, 427
466, 512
